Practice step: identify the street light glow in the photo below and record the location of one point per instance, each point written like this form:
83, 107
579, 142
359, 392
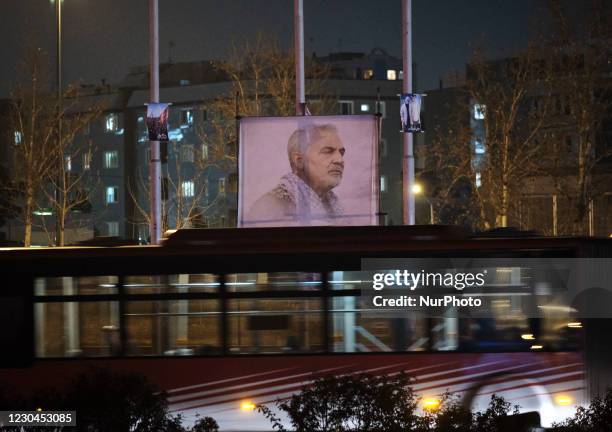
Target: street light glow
431, 404
564, 400
247, 406
417, 188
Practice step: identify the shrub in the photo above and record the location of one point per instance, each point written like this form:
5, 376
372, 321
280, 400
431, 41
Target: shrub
597, 417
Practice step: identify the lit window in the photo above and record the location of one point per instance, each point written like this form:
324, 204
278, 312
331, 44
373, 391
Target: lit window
186, 117
68, 163
479, 111
184, 82
113, 229
188, 188
368, 74
18, 137
222, 186
478, 147
365, 107
478, 180
87, 161
112, 123
187, 153
111, 194
204, 151
111, 159
400, 75
383, 183
391, 74
346, 107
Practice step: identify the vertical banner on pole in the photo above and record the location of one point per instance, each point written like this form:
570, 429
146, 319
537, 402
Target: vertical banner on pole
157, 121
410, 112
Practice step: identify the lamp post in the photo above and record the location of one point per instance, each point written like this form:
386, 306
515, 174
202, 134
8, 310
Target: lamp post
408, 141
58, 14
417, 189
155, 225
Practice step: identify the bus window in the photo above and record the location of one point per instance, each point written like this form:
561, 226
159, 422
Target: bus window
172, 327
245, 282
275, 325
70, 329
357, 329
343, 280
83, 285
177, 283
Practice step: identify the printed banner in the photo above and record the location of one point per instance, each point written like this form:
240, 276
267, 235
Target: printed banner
309, 170
157, 121
410, 112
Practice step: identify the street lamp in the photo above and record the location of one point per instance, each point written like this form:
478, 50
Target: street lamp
417, 189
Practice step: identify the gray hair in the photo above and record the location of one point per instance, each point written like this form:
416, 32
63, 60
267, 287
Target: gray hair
302, 138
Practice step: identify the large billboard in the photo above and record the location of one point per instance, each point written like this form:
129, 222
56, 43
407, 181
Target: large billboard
309, 170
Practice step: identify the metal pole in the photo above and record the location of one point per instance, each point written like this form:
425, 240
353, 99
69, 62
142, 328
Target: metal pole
58, 9
155, 163
408, 165
298, 40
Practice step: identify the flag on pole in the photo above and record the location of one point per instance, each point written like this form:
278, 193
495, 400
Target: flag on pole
157, 121
410, 112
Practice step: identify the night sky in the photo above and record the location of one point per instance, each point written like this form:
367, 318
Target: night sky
103, 38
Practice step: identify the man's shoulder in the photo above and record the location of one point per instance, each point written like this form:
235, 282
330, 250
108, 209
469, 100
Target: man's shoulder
277, 203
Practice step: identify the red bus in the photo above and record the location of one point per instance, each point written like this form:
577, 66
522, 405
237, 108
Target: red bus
221, 319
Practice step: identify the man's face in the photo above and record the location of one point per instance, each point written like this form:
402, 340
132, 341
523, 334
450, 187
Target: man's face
324, 163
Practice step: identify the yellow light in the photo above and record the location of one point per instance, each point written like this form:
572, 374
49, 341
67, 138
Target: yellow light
431, 404
38, 409
247, 406
564, 400
527, 336
536, 347
417, 188
574, 325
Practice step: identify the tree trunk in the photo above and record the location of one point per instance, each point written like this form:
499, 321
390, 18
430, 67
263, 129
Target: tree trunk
502, 215
61, 230
27, 220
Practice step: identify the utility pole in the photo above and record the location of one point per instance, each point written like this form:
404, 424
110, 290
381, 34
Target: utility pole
408, 162
58, 13
298, 41
155, 163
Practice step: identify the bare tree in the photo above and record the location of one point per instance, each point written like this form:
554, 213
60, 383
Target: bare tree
579, 55
70, 189
503, 96
477, 161
33, 116
449, 174
186, 192
263, 81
